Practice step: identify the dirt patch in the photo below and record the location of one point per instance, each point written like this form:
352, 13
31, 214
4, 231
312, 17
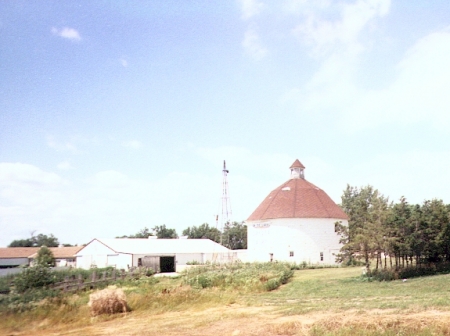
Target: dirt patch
237, 320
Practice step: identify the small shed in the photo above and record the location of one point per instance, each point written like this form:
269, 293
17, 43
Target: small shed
16, 256
163, 255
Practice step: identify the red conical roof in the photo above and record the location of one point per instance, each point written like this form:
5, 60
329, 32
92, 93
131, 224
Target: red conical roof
297, 198
297, 164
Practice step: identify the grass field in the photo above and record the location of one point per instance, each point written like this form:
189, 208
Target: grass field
336, 301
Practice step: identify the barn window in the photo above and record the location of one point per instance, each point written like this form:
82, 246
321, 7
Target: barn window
336, 229
291, 253
321, 256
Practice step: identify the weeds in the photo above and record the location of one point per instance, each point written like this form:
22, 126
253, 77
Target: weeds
246, 277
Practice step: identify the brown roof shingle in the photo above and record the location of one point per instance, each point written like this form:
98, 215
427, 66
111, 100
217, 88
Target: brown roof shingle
297, 198
31, 252
63, 252
17, 252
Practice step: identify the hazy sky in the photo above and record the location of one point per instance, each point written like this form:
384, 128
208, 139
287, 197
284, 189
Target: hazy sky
117, 115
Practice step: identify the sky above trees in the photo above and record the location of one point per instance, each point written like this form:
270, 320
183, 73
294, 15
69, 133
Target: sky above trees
117, 115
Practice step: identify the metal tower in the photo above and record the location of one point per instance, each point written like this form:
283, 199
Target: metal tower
225, 200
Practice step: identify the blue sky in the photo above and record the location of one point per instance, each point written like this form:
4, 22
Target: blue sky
117, 116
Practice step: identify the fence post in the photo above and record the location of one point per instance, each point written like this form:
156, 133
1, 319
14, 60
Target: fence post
123, 274
66, 283
113, 275
94, 279
80, 281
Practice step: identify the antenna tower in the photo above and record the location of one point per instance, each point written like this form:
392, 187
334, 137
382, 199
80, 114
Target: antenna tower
225, 200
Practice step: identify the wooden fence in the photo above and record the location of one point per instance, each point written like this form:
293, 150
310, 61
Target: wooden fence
72, 284
77, 283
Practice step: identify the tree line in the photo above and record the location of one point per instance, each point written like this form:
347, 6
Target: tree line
234, 236
395, 235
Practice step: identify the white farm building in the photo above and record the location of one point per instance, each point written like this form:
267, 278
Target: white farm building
163, 255
295, 223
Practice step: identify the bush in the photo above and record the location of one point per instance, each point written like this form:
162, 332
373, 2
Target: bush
410, 272
272, 284
33, 277
45, 257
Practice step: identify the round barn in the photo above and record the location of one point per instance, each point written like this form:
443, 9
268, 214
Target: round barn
295, 223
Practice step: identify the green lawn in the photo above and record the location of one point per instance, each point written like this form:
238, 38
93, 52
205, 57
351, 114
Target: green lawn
340, 289
334, 301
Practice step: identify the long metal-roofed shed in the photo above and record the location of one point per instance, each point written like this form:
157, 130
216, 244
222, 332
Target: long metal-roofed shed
163, 255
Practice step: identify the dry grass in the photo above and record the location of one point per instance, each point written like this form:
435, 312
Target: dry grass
316, 302
110, 300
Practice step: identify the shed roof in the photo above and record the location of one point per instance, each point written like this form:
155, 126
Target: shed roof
161, 246
62, 252
31, 252
17, 252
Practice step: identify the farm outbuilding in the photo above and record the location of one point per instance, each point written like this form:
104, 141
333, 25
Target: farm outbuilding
295, 223
163, 255
24, 256
63, 255
16, 256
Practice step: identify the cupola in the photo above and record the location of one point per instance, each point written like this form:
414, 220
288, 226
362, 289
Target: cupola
297, 170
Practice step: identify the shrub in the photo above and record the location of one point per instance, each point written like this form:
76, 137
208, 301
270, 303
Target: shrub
410, 272
33, 277
45, 257
272, 284
110, 300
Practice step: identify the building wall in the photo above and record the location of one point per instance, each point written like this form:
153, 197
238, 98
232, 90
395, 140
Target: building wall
99, 255
10, 262
294, 240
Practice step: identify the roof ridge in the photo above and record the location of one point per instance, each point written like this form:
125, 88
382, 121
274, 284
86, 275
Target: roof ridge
321, 203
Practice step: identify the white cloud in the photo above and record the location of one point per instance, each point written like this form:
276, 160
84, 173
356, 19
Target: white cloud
251, 8
252, 45
75, 144
417, 174
65, 165
67, 33
417, 93
133, 144
344, 33
69, 146
124, 62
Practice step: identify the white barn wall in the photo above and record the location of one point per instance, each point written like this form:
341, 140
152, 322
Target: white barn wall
306, 237
100, 255
120, 260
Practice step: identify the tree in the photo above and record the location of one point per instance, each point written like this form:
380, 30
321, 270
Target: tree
45, 257
235, 236
367, 211
21, 243
163, 232
143, 233
36, 241
44, 240
203, 231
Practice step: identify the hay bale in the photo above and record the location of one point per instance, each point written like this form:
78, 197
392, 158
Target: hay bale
110, 300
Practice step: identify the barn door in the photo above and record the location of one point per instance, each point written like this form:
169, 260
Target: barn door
151, 262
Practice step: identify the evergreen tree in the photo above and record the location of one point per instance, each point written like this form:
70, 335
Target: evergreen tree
45, 257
